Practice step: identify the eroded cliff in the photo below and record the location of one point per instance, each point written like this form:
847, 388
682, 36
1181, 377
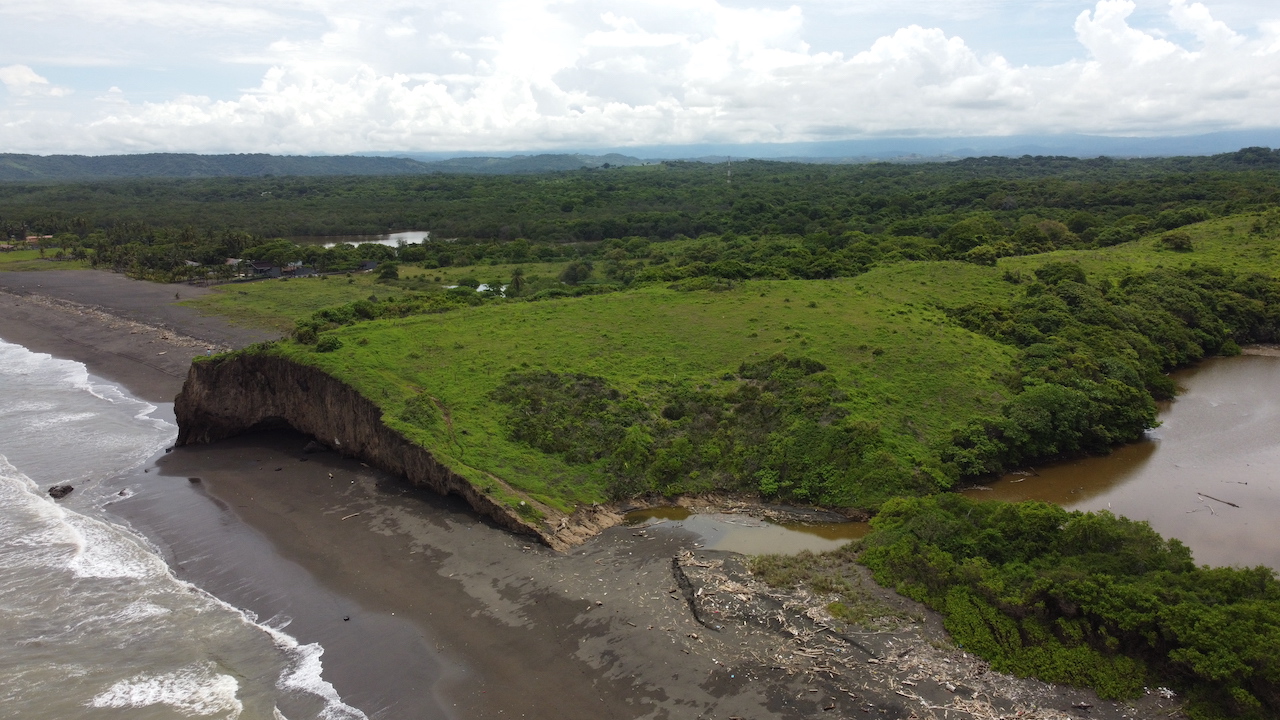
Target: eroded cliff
246, 391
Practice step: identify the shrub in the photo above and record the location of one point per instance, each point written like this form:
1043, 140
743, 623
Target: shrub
328, 343
1086, 599
1176, 241
421, 410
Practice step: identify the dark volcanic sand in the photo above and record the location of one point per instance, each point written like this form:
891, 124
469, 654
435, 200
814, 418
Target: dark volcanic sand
448, 614
151, 363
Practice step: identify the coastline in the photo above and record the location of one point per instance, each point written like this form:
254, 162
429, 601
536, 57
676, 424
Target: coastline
127, 331
451, 616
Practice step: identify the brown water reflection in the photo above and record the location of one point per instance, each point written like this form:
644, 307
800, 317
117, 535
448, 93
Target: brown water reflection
748, 535
1219, 439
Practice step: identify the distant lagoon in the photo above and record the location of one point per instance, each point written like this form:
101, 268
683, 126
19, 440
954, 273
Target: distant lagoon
391, 239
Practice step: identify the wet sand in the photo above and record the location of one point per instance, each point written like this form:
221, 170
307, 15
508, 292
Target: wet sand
427, 611
129, 332
449, 616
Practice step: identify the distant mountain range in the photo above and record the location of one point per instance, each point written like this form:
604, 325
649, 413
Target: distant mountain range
918, 149
184, 165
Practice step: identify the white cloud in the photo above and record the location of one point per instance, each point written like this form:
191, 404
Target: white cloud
527, 74
22, 81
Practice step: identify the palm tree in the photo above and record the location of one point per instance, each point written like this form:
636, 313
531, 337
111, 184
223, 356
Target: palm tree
516, 286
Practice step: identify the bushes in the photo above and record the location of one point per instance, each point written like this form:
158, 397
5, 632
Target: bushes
777, 428
1092, 363
1086, 599
328, 343
421, 410
1176, 241
576, 416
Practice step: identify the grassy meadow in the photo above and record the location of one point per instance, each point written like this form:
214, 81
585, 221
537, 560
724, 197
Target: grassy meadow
21, 260
904, 365
897, 360
276, 304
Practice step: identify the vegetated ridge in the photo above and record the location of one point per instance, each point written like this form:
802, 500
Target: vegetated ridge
14, 167
911, 208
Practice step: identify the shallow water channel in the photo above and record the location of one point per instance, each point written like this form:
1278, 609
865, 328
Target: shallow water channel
750, 536
1209, 475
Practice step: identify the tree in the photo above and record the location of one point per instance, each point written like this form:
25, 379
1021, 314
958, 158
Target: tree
516, 287
575, 272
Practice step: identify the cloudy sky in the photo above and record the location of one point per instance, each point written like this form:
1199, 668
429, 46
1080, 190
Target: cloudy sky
338, 76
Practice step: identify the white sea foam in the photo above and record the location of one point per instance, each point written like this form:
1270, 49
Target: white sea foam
100, 598
140, 610
195, 690
104, 552
306, 675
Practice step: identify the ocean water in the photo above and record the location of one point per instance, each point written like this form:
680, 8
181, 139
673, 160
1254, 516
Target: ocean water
93, 623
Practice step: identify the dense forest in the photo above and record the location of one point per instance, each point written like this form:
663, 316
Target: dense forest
767, 219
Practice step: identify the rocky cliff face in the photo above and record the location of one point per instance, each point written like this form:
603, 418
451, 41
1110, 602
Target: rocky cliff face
227, 396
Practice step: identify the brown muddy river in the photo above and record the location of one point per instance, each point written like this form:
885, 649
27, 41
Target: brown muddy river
1209, 475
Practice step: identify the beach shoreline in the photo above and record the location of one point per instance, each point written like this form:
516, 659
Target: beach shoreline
127, 331
425, 609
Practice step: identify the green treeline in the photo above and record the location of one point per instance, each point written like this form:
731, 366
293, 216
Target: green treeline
1093, 355
1091, 365
1086, 599
773, 220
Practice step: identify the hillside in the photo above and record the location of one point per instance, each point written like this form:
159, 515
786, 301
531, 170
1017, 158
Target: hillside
844, 392
185, 165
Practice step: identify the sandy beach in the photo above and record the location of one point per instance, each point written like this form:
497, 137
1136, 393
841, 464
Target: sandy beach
127, 331
427, 611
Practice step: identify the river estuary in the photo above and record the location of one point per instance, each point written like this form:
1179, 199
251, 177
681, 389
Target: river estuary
1209, 475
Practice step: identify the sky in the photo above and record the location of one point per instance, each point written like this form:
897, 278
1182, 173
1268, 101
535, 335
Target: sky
344, 76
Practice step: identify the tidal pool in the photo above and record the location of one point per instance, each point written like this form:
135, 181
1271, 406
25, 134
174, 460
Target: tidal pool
748, 535
1209, 475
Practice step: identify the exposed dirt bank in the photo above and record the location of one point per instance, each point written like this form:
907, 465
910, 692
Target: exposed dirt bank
227, 396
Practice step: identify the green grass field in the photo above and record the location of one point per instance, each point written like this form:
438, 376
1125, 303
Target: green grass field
1226, 242
21, 260
905, 366
901, 363
276, 304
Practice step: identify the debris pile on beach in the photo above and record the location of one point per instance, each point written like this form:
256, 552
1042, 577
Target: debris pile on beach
898, 664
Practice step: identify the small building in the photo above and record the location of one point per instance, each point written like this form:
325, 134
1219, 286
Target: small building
6, 247
368, 265
191, 263
265, 269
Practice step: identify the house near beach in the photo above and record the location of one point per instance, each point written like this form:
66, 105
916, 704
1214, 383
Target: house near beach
265, 269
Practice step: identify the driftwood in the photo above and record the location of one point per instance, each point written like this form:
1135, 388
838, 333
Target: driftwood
1224, 502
